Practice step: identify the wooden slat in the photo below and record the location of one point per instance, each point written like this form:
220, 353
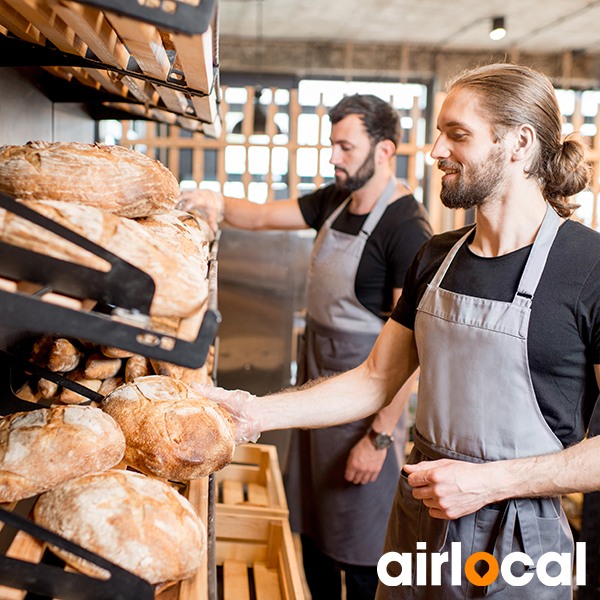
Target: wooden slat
93, 28
258, 495
266, 583
144, 43
19, 25
235, 580
195, 57
50, 24
233, 492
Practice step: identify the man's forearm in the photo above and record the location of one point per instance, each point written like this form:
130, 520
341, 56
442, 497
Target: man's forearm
575, 469
340, 399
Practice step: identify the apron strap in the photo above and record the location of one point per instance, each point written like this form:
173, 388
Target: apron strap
537, 258
521, 511
379, 208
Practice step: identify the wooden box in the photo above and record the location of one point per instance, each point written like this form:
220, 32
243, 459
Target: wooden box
256, 558
252, 483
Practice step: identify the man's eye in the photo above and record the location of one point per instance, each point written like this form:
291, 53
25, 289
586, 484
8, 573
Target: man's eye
457, 136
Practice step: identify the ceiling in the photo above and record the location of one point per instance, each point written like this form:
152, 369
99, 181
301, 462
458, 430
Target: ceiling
532, 25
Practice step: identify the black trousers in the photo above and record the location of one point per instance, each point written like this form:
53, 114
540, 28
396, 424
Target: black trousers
324, 575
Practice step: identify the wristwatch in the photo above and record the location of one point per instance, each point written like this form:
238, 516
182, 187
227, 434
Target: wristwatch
381, 441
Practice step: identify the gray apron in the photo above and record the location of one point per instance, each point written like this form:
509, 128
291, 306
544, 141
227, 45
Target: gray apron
346, 521
477, 403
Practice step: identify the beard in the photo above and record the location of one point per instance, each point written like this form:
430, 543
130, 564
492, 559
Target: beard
484, 180
360, 178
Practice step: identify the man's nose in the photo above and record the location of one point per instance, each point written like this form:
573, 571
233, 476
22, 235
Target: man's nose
440, 149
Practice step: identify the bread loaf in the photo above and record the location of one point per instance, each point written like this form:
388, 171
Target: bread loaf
99, 366
181, 284
112, 178
45, 447
134, 521
70, 397
63, 356
171, 431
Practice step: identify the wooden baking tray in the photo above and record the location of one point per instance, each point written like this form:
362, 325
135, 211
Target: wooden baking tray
150, 72
252, 483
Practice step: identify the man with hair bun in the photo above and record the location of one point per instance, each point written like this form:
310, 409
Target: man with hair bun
503, 319
369, 229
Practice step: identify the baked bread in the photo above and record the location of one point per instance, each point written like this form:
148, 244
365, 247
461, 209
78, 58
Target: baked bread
137, 522
181, 284
43, 448
171, 431
121, 181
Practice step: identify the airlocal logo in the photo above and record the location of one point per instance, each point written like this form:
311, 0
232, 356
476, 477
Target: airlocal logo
494, 569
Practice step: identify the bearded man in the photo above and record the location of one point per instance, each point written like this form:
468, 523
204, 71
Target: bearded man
340, 481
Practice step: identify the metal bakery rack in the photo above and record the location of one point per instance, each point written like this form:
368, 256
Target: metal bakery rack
118, 315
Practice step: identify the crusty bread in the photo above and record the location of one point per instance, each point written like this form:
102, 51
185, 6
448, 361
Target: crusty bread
181, 284
137, 522
121, 181
43, 448
171, 431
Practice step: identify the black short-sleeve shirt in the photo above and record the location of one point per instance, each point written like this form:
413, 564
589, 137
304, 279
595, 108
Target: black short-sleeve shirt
564, 330
402, 229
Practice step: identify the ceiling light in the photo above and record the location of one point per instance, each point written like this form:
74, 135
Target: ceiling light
498, 31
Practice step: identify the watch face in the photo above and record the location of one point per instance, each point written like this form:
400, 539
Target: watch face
382, 441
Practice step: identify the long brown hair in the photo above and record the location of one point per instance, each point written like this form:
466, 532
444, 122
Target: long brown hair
512, 95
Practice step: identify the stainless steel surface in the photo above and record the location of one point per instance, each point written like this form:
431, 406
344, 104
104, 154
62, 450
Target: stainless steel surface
261, 287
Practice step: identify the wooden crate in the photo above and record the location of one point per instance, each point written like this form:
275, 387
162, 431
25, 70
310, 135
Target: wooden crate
252, 483
257, 558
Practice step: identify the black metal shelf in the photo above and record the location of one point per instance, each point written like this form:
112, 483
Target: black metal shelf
125, 292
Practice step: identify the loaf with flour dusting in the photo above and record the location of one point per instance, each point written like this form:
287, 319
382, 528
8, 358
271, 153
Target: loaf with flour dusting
113, 178
171, 431
137, 522
45, 447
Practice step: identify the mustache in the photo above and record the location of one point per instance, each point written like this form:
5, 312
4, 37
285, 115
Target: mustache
444, 163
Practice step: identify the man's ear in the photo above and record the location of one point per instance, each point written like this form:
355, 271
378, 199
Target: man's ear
523, 142
386, 149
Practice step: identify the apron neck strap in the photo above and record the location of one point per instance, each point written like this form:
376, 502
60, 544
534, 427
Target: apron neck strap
379, 208
376, 212
538, 256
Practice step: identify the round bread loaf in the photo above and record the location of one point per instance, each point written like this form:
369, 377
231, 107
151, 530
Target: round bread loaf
124, 182
43, 448
171, 431
139, 523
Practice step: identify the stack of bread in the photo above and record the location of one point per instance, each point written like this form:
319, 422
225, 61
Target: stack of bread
151, 420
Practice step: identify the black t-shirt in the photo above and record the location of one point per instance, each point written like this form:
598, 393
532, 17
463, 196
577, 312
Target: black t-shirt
401, 231
564, 330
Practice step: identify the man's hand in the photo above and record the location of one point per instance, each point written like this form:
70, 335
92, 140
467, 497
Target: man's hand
239, 405
364, 462
206, 202
452, 488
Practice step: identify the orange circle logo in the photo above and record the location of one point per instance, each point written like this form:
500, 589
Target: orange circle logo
474, 577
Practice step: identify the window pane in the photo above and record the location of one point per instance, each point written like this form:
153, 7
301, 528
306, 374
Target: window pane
258, 160
308, 130
306, 162
235, 159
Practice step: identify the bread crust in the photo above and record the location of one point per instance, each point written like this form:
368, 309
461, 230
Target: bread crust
171, 431
137, 522
124, 182
181, 284
43, 448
